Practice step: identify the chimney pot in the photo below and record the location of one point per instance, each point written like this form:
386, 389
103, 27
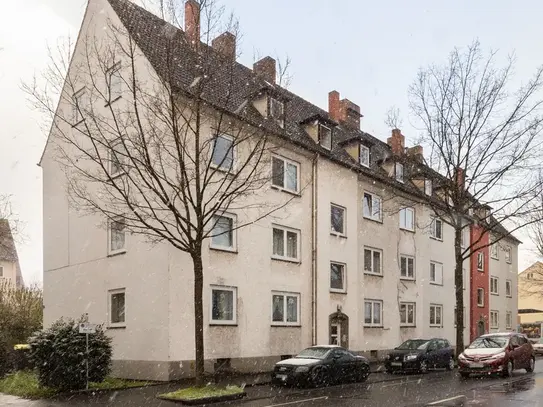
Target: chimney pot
343, 111
225, 44
192, 22
397, 142
266, 69
416, 152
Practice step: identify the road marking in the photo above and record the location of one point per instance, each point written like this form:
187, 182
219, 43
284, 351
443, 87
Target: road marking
455, 398
297, 402
418, 381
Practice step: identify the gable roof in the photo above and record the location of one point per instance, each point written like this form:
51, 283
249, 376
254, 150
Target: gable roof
8, 251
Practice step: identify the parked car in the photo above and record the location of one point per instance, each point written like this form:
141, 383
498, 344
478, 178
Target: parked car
497, 353
538, 348
419, 355
320, 366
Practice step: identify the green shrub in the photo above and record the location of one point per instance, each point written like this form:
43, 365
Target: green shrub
59, 355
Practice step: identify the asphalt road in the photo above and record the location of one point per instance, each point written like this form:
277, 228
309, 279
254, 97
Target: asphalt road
441, 388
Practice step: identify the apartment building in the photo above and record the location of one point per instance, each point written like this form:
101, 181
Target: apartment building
530, 300
348, 261
10, 270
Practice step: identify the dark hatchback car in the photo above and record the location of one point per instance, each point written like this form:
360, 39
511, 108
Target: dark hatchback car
419, 355
321, 366
497, 353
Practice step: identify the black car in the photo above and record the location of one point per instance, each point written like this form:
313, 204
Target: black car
320, 366
419, 355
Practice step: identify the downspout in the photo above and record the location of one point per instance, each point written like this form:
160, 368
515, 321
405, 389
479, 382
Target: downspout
314, 245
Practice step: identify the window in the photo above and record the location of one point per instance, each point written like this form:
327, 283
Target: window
464, 237
494, 251
285, 308
372, 261
494, 285
428, 187
480, 261
480, 297
399, 172
117, 159
285, 174
1, 271
364, 155
325, 137
373, 313
115, 82
508, 320
508, 288
224, 305
437, 229
436, 312
223, 152
277, 110
117, 307
494, 319
407, 219
407, 267
222, 232
79, 105
337, 219
117, 235
285, 243
508, 254
407, 314
372, 206
337, 277
436, 273
529, 276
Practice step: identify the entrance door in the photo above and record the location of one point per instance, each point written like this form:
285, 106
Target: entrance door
480, 328
339, 329
335, 333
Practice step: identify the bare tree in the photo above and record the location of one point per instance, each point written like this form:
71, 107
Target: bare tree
484, 142
393, 118
143, 158
11, 227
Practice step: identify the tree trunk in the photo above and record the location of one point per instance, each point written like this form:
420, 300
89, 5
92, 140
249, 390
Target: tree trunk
198, 317
459, 284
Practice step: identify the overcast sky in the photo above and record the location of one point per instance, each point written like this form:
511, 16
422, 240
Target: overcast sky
367, 50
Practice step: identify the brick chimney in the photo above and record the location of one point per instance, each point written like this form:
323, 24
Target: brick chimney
225, 44
397, 142
192, 22
266, 69
343, 111
460, 176
416, 152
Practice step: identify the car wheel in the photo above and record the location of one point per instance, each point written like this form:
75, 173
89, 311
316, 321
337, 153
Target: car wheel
508, 371
319, 377
423, 366
531, 366
363, 373
450, 364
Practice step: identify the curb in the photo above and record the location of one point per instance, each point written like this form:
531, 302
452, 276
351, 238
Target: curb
205, 400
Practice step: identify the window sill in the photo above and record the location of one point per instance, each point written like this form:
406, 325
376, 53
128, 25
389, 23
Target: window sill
337, 291
116, 253
480, 306
374, 220
407, 230
408, 279
225, 171
481, 271
286, 260
508, 262
286, 325
288, 191
337, 234
223, 249
408, 326
223, 323
120, 326
436, 326
508, 296
438, 284
496, 294
117, 175
368, 273
436, 239
78, 123
374, 326
113, 101
494, 258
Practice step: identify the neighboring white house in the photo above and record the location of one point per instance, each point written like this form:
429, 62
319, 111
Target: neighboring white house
10, 270
347, 261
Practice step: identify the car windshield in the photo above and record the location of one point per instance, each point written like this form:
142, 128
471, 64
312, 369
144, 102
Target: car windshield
313, 353
489, 342
413, 344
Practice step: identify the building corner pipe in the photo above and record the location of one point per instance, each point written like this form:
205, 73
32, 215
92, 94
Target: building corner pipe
314, 246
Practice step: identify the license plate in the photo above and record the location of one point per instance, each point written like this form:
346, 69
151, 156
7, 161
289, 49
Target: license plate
396, 363
281, 376
476, 365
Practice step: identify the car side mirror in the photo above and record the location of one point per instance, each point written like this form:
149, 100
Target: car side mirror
336, 356
514, 345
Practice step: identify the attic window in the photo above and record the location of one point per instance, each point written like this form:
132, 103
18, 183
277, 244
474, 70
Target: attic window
364, 155
277, 110
428, 187
325, 137
399, 172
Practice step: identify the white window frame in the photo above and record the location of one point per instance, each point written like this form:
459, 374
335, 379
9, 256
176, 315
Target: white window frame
399, 172
286, 161
403, 213
372, 271
233, 246
121, 159
406, 275
344, 277
437, 266
481, 262
508, 254
220, 167
115, 72
408, 305
433, 229
110, 294
494, 319
428, 187
372, 323
373, 199
77, 98
278, 102
495, 291
285, 306
508, 320
494, 251
285, 230
481, 304
111, 251
344, 225
465, 231
509, 293
234, 319
435, 323
321, 140
364, 152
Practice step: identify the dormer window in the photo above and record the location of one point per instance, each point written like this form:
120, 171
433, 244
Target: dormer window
325, 136
399, 172
364, 155
428, 187
277, 110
